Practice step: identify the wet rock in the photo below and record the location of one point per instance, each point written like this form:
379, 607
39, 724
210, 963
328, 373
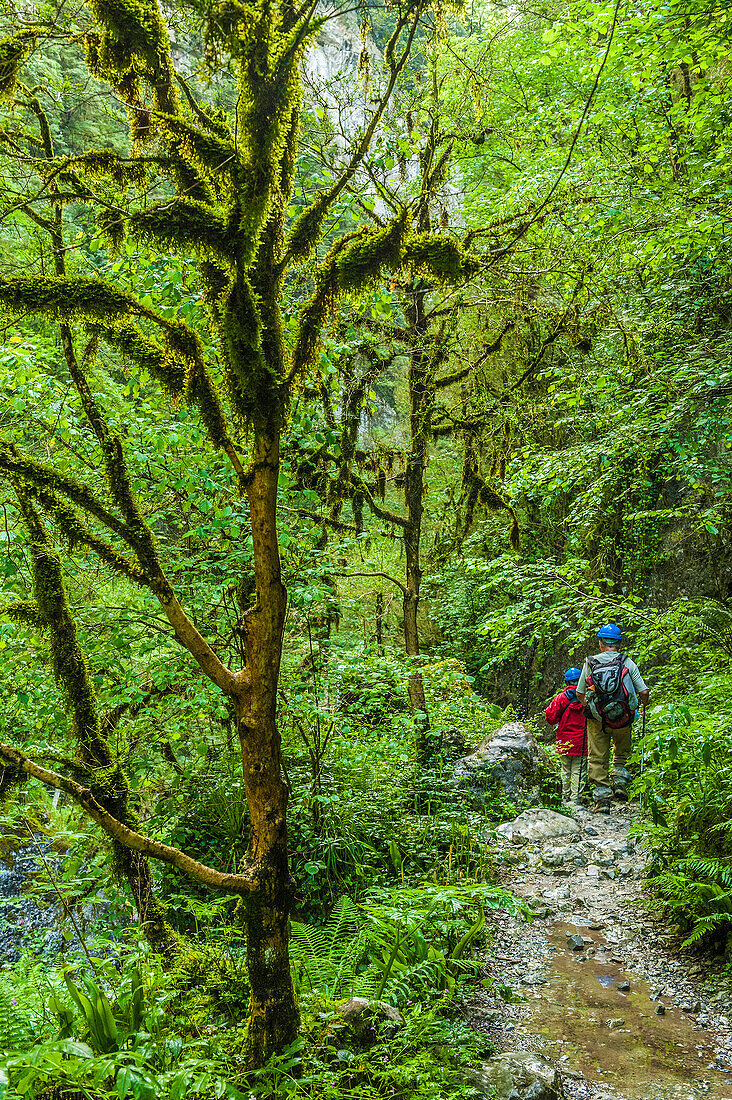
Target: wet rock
533, 978
518, 1075
507, 759
365, 1017
577, 943
614, 1023
660, 1009
623, 987
537, 825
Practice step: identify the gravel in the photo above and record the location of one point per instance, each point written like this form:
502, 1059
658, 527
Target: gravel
597, 886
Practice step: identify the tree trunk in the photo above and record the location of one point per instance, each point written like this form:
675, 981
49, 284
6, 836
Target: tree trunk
95, 762
420, 402
273, 1012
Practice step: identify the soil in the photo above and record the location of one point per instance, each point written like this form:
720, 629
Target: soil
618, 1009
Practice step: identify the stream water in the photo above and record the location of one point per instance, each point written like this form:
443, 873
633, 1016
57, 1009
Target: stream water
592, 1006
31, 915
615, 1036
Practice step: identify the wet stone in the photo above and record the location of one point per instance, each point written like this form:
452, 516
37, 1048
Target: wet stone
518, 1075
623, 987
576, 942
660, 1009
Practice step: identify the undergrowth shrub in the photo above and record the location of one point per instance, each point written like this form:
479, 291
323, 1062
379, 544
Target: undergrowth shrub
684, 781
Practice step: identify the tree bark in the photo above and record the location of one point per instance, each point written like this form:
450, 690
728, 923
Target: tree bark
421, 399
273, 1012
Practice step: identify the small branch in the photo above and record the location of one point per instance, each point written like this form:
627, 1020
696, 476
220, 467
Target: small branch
386, 576
200, 872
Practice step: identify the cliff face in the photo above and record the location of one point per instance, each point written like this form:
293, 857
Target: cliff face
337, 49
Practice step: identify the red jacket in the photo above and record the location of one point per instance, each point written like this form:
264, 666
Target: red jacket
571, 729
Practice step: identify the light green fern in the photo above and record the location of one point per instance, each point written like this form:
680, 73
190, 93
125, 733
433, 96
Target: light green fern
327, 958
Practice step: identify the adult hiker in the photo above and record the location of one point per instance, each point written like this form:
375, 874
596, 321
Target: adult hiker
612, 689
566, 713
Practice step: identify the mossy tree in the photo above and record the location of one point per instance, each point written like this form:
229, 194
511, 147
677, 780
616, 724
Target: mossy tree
193, 181
422, 325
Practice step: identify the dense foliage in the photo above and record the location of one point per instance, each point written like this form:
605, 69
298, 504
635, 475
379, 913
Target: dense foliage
468, 305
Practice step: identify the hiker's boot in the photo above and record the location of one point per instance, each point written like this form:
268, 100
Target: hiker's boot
621, 779
601, 800
620, 791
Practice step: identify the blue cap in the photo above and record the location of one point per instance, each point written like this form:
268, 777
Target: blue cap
610, 633
572, 674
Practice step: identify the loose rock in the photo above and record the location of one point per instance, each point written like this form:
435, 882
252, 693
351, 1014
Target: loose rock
537, 825
366, 1017
518, 1075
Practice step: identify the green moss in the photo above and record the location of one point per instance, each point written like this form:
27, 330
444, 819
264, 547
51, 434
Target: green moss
440, 255
304, 234
65, 299
132, 37
351, 265
46, 488
252, 385
26, 612
185, 224
11, 776
213, 153
148, 355
13, 53
364, 259
105, 163
112, 227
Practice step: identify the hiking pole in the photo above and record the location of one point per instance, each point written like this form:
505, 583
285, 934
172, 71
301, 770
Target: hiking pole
582, 757
643, 754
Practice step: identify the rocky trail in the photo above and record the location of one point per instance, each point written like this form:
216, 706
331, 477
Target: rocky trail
602, 1008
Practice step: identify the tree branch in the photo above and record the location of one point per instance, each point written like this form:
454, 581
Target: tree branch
402, 588
242, 884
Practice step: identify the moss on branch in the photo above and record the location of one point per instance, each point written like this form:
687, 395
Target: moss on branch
133, 39
185, 224
26, 612
13, 54
67, 299
439, 255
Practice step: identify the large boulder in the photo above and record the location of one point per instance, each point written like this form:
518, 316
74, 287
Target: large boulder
506, 760
536, 825
518, 1075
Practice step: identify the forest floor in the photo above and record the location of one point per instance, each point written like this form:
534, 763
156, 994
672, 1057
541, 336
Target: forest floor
619, 1010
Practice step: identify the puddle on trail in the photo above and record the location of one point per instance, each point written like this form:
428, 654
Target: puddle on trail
645, 1057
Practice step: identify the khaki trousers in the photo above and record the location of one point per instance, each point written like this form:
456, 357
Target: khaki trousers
574, 776
599, 742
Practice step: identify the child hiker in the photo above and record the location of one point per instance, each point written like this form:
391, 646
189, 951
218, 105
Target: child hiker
565, 711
